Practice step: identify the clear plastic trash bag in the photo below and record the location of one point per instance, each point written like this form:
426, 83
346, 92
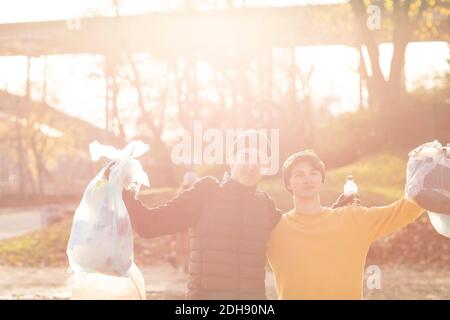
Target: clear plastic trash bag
428, 183
101, 239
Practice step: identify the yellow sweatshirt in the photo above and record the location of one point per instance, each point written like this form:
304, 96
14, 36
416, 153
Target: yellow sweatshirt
323, 256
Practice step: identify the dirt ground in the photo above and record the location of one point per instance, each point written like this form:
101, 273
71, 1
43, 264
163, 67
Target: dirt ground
164, 282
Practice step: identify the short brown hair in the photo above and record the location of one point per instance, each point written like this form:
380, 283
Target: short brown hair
307, 156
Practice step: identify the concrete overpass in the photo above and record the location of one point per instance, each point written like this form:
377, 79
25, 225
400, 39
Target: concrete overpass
178, 33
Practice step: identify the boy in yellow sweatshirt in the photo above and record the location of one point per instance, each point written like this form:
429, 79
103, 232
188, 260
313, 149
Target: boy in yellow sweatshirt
317, 252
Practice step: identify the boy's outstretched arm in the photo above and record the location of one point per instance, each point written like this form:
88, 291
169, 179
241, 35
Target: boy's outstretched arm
381, 221
176, 215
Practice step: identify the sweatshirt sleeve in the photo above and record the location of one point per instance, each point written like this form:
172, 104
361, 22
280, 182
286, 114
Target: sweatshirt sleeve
178, 214
377, 222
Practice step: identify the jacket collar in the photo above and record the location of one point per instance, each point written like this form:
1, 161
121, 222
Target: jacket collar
236, 186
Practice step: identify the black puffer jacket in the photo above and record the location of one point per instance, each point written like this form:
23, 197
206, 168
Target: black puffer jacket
228, 244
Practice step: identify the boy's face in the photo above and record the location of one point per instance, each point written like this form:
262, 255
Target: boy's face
247, 171
305, 181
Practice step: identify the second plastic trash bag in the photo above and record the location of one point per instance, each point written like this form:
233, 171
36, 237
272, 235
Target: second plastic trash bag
100, 248
428, 183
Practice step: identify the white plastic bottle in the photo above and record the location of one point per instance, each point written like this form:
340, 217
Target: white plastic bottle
350, 186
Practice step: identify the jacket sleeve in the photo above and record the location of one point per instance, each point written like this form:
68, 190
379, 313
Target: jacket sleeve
178, 214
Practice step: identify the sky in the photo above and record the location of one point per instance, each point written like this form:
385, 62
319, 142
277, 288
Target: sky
82, 96
41, 10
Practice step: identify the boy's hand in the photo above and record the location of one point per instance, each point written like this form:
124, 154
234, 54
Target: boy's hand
128, 185
108, 169
128, 196
344, 200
